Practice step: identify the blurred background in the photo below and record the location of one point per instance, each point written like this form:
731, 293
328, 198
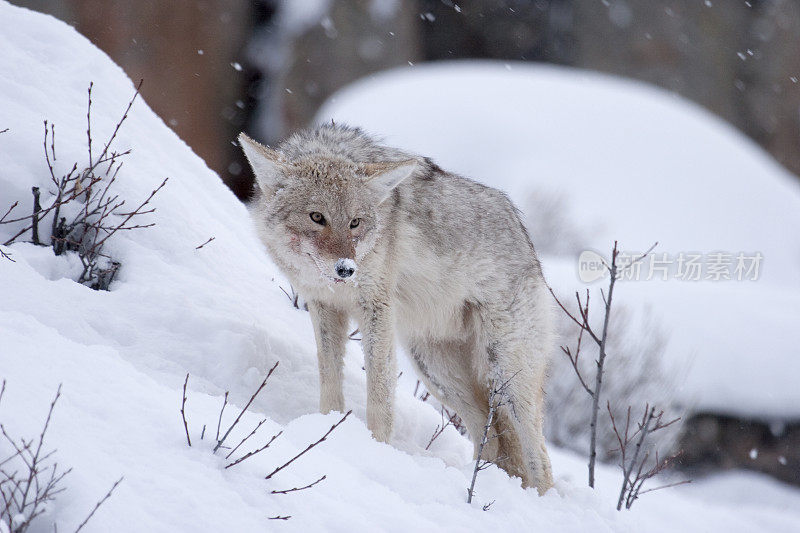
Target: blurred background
213, 68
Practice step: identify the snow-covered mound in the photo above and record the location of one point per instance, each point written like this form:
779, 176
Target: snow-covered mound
218, 312
631, 163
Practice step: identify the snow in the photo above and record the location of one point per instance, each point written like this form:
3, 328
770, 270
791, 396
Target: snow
218, 312
632, 163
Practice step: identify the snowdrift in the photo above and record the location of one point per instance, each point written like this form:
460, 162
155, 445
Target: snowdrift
219, 313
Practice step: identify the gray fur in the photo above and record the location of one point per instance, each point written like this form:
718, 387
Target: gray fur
443, 263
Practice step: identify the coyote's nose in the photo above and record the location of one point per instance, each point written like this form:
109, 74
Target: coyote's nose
345, 268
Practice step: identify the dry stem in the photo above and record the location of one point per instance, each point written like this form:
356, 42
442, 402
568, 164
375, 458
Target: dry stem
287, 491
183, 411
253, 397
325, 436
582, 321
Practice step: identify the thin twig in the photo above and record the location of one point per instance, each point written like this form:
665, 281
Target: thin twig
102, 157
441, 427
296, 489
668, 485
598, 384
37, 207
133, 213
219, 421
208, 241
11, 208
574, 359
183, 410
99, 503
253, 397
634, 474
484, 439
245, 439
89, 122
293, 459
254, 452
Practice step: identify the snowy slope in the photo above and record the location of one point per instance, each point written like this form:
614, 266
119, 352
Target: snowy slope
218, 313
632, 163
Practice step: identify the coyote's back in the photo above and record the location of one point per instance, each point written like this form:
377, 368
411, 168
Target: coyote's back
389, 239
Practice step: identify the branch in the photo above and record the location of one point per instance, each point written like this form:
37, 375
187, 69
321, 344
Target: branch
287, 491
574, 361
254, 452
484, 439
600, 363
583, 323
132, 214
183, 411
632, 482
253, 397
89, 122
293, 459
244, 439
3, 218
102, 157
668, 485
99, 503
208, 241
441, 427
37, 207
219, 421
638, 258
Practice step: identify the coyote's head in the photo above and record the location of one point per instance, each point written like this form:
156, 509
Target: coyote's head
320, 213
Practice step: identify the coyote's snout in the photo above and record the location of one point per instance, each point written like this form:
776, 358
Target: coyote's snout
387, 238
345, 268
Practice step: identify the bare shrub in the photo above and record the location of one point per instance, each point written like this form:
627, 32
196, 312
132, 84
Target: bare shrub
600, 340
220, 440
31, 478
84, 211
635, 451
636, 374
498, 396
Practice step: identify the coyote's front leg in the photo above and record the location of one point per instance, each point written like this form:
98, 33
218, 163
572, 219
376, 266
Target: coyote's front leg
379, 358
330, 329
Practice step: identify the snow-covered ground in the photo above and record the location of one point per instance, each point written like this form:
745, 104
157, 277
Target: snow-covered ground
218, 312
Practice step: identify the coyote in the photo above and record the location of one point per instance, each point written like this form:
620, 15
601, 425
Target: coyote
408, 250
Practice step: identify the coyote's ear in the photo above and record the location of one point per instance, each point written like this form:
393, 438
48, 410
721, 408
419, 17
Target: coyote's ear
384, 177
265, 163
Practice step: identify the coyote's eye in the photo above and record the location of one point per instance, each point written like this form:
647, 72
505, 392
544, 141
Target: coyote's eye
354, 223
318, 218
